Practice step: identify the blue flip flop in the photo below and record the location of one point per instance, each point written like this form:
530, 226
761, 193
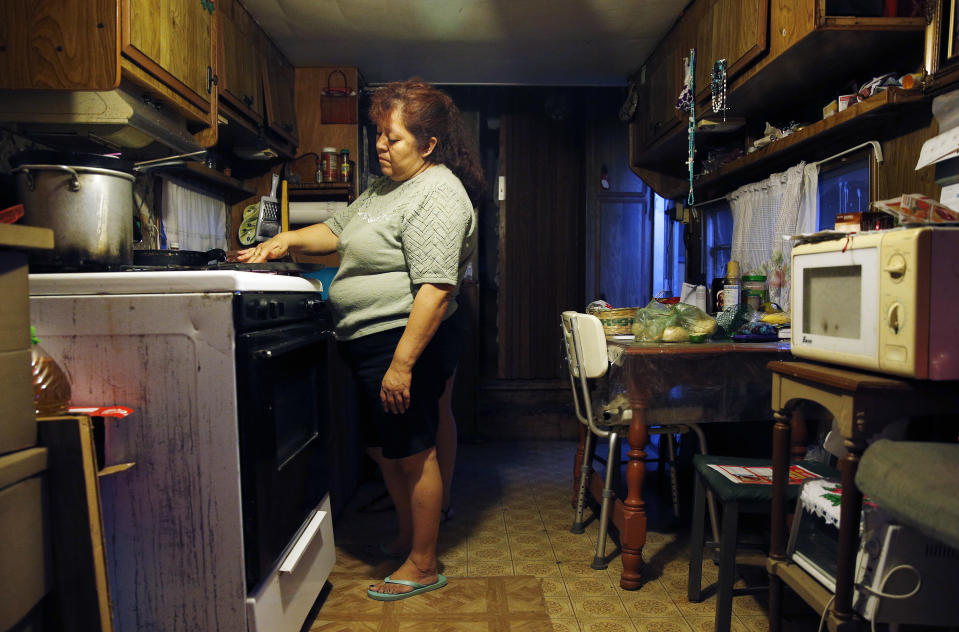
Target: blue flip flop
417, 589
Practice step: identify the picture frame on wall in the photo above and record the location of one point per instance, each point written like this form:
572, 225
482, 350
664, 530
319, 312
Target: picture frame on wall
951, 34
942, 52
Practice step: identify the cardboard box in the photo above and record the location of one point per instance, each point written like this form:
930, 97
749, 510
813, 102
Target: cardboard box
18, 424
830, 109
15, 290
848, 222
845, 100
25, 560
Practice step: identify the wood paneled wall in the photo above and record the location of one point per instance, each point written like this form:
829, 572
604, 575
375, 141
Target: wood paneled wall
314, 134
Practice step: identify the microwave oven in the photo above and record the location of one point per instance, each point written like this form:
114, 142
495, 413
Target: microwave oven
884, 301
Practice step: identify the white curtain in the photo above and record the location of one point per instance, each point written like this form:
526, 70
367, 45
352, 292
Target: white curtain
192, 220
763, 212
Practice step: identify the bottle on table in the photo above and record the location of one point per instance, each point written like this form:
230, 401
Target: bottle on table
731, 287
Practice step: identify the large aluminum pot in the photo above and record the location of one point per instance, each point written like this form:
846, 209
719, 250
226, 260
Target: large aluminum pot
86, 199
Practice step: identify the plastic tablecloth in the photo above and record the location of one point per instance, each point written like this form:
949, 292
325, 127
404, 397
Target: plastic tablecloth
729, 380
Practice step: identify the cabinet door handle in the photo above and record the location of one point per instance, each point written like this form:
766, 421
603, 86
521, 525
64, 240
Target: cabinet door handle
211, 79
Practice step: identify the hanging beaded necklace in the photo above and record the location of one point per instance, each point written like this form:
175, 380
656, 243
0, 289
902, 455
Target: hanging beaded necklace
691, 198
717, 88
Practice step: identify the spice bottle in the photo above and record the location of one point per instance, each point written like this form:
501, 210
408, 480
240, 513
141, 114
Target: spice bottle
51, 388
345, 166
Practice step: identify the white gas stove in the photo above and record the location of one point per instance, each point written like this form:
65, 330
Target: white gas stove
224, 522
167, 282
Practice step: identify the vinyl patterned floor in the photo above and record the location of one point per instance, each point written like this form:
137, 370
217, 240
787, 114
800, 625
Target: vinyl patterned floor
512, 518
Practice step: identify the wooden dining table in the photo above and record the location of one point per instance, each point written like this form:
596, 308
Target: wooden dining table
727, 381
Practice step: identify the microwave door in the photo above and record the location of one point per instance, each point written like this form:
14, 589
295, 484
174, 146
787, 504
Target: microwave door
836, 306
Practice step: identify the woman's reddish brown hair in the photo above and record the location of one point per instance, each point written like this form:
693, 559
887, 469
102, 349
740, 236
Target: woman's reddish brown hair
429, 112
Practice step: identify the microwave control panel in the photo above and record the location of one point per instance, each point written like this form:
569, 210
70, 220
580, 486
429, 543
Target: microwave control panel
902, 272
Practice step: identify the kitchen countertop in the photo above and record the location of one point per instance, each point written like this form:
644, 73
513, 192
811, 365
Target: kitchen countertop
25, 237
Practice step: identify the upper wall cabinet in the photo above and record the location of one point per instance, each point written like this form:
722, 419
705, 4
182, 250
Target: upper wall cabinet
280, 88
169, 52
66, 45
734, 30
785, 60
241, 84
175, 45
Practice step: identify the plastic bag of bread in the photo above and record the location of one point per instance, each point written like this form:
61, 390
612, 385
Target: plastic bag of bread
650, 321
695, 320
671, 323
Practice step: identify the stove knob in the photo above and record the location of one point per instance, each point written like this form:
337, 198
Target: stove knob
262, 307
312, 305
274, 309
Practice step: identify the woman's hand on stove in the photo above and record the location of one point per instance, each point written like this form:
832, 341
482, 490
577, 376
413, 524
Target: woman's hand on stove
273, 248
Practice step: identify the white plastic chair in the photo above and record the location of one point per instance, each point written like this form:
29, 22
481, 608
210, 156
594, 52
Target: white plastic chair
587, 359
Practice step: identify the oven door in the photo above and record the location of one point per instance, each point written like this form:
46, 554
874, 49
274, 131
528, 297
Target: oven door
283, 425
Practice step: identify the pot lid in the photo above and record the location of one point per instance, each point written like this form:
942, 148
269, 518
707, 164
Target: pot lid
71, 159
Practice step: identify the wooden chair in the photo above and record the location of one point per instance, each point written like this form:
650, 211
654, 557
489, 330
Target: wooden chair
587, 359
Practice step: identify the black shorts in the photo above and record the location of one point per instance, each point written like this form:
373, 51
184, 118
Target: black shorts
415, 430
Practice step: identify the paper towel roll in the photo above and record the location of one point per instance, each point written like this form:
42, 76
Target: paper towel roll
313, 212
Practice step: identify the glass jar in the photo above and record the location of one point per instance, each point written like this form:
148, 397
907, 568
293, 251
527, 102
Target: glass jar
330, 164
754, 290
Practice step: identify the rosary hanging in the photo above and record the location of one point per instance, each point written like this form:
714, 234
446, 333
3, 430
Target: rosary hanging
687, 102
717, 88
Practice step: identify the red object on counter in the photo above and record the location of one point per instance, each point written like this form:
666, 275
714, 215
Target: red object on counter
102, 411
12, 214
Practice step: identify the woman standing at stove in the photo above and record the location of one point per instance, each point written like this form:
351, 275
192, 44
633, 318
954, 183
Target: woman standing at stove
403, 246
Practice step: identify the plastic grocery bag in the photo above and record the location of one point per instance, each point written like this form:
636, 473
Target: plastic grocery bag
650, 321
671, 323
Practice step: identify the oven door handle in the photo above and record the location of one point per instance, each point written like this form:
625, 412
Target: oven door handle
303, 542
267, 352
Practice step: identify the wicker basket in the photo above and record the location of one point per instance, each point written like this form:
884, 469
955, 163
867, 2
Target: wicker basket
616, 321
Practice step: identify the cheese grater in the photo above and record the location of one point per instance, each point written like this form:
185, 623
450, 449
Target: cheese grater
268, 216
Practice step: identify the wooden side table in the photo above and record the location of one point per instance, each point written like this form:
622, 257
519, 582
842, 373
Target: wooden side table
861, 404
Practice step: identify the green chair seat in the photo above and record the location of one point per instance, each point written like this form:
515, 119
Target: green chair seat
916, 482
727, 490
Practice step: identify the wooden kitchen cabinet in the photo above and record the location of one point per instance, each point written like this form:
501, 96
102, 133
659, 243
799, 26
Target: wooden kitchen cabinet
241, 79
785, 60
168, 51
279, 86
734, 30
66, 45
176, 45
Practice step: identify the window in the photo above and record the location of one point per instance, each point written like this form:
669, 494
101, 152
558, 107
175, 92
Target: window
669, 250
843, 188
717, 238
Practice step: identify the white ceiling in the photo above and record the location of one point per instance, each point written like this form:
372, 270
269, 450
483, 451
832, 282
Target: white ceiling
476, 42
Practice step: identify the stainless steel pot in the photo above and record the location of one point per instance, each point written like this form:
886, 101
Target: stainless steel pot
87, 201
